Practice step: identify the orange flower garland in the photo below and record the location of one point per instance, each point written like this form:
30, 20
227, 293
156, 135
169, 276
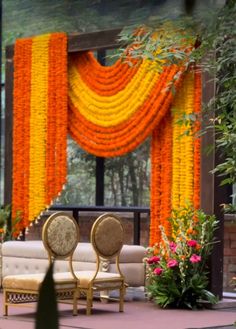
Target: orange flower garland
166, 171
111, 111
21, 94
161, 170
39, 125
104, 80
124, 137
57, 116
155, 188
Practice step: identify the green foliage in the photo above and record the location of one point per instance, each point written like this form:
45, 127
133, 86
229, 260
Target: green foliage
6, 231
222, 38
177, 274
80, 186
153, 43
229, 208
5, 213
215, 52
126, 178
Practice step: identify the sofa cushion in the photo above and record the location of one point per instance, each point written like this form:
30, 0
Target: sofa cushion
26, 257
26, 249
83, 253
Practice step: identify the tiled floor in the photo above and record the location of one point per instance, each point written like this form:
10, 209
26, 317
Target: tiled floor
139, 314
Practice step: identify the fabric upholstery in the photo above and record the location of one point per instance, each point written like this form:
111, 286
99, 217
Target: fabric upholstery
83, 253
25, 257
109, 226
33, 281
85, 278
61, 235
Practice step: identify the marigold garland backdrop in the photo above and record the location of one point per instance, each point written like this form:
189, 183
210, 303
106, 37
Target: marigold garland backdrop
109, 111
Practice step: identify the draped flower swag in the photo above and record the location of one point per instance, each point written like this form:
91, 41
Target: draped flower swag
108, 111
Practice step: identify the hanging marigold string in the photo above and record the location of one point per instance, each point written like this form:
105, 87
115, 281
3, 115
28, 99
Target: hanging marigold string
21, 137
183, 144
39, 131
166, 172
161, 172
155, 188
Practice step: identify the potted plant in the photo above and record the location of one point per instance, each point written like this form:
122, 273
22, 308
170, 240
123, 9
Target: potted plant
177, 273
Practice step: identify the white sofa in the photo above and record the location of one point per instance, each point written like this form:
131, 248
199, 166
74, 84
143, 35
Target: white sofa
19, 257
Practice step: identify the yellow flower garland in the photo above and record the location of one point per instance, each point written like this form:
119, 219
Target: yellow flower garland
183, 145
111, 110
38, 122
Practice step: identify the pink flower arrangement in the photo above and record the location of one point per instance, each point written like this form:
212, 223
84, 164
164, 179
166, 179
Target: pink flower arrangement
192, 243
172, 263
158, 271
173, 246
178, 274
195, 258
153, 260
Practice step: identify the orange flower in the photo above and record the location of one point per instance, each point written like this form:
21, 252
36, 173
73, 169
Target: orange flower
198, 246
190, 230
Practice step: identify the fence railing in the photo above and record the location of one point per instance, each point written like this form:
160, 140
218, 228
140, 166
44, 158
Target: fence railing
136, 211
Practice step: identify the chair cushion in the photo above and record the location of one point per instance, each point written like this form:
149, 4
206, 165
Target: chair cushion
103, 279
32, 282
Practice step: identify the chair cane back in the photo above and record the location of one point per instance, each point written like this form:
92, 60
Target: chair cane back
106, 237
60, 237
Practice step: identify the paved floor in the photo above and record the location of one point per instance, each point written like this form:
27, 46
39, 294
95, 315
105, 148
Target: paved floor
139, 314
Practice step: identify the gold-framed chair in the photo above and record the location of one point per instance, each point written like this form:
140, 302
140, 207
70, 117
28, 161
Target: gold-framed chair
106, 237
60, 237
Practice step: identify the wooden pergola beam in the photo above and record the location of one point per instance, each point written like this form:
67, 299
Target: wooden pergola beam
93, 41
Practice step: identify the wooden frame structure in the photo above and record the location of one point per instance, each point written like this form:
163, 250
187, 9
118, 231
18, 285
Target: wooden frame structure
211, 194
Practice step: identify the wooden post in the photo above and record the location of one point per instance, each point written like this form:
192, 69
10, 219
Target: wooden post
212, 194
8, 129
100, 161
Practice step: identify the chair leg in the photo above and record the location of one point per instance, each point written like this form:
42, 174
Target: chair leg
89, 302
121, 299
75, 302
5, 312
5, 306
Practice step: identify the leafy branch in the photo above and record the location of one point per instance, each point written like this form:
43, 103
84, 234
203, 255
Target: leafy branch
213, 36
